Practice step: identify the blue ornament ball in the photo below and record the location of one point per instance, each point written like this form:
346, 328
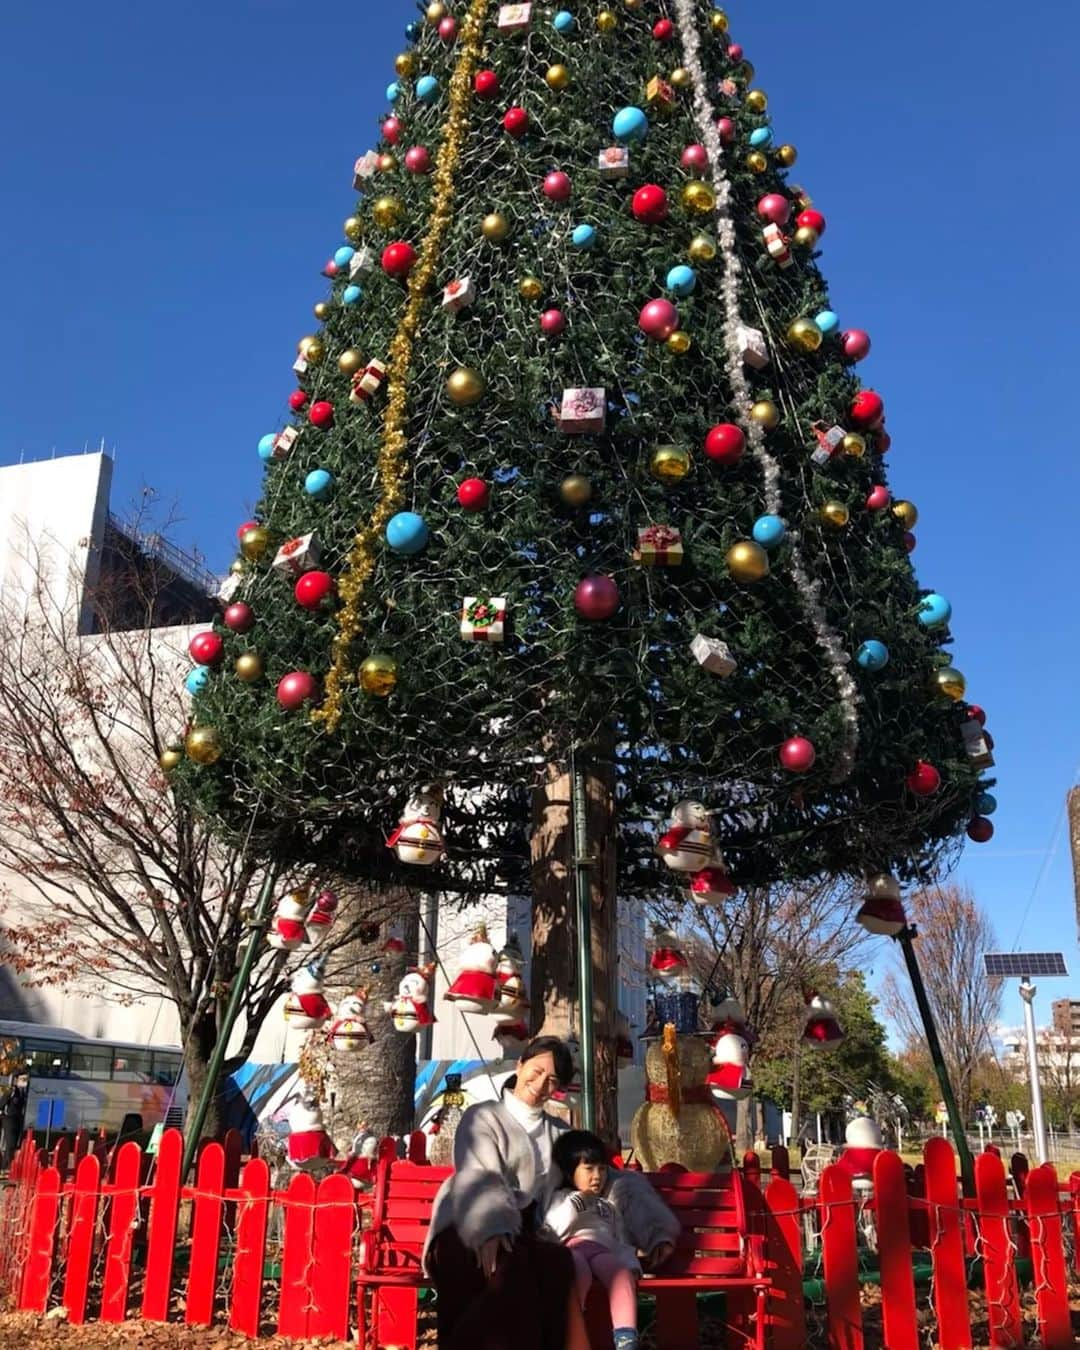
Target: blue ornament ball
563, 22
934, 611
197, 679
827, 321
872, 655
343, 255
769, 531
350, 295
319, 483
630, 124
985, 804
406, 532
761, 136
266, 446
681, 279
584, 236
427, 86
393, 91
412, 32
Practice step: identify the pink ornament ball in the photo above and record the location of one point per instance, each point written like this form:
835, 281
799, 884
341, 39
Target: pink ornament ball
297, 400
596, 597
553, 322
418, 159
398, 259
663, 30
725, 443
296, 689
980, 829
650, 204
516, 122
775, 208
448, 28
735, 51
313, 588
239, 618
658, 320
856, 344
557, 187
976, 714
798, 754
924, 780
811, 220
726, 127
909, 541
867, 410
206, 648
331, 269
321, 414
878, 497
392, 129
695, 157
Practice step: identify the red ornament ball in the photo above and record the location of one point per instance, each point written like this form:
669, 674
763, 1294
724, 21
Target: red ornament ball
775, 208
239, 618
331, 269
448, 28
867, 410
663, 30
313, 588
909, 541
798, 754
596, 597
878, 497
392, 129
924, 780
206, 648
735, 51
486, 84
398, 259
856, 344
725, 443
811, 220
321, 414
247, 525
976, 714
296, 689
516, 121
418, 159
473, 494
557, 186
658, 319
297, 399
650, 204
726, 127
711, 884
695, 157
980, 829
884, 441
553, 322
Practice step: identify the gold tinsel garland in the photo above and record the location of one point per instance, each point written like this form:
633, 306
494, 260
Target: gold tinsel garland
674, 1069
391, 462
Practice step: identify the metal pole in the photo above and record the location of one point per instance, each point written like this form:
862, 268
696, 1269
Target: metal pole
263, 909
583, 914
1038, 1123
967, 1168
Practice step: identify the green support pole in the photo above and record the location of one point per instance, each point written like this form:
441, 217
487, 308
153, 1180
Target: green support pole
967, 1167
583, 913
263, 910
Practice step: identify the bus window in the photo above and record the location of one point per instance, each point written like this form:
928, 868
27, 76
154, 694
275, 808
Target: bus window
166, 1067
47, 1059
91, 1061
131, 1065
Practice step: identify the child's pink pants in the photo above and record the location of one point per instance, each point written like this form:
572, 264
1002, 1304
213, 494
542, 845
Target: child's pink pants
592, 1261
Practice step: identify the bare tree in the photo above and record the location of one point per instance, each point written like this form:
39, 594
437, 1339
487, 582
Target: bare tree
953, 934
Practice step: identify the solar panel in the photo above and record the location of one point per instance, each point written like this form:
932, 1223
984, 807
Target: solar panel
1019, 964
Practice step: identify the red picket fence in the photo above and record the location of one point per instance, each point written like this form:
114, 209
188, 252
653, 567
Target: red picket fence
118, 1236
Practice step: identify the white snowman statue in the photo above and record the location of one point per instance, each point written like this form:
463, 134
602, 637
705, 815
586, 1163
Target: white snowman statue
689, 844
306, 1007
729, 1078
289, 930
349, 1031
475, 989
411, 1010
510, 983
822, 1030
417, 838
309, 1145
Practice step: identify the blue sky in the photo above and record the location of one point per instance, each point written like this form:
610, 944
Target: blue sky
175, 176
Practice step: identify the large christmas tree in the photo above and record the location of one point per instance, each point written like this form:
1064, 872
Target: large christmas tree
580, 462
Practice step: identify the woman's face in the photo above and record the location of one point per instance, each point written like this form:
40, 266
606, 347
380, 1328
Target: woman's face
536, 1079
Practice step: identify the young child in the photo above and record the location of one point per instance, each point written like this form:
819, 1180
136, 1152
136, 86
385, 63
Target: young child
604, 1221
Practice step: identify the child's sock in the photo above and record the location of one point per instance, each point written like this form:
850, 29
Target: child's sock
626, 1338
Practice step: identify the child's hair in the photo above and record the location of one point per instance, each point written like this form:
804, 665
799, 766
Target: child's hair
577, 1146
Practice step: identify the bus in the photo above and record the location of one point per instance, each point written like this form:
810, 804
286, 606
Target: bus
78, 1082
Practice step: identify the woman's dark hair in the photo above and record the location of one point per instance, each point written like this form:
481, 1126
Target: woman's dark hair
577, 1146
559, 1052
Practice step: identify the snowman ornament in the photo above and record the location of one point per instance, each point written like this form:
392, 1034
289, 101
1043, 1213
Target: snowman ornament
308, 1144
418, 839
306, 1007
289, 930
729, 1079
689, 844
509, 982
349, 1031
410, 1010
475, 989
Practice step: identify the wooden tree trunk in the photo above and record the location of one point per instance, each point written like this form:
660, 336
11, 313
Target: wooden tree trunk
554, 940
199, 1038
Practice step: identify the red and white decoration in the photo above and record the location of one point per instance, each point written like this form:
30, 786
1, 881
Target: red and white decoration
613, 162
285, 443
322, 915
689, 845
829, 440
366, 383
458, 294
411, 1010
475, 989
367, 166
730, 1077
308, 1144
513, 18
297, 555
882, 911
509, 977
713, 655
582, 410
776, 243
417, 838
363, 260
752, 349
862, 1143
511, 1037
483, 618
822, 1030
711, 886
306, 1008
349, 1030
290, 917
667, 961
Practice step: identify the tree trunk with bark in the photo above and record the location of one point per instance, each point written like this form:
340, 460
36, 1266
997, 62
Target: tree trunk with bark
199, 1038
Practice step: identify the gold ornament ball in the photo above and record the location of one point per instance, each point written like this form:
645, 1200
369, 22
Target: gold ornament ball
378, 674
557, 76
312, 350
321, 310
756, 101
949, 682
575, 490
835, 514
350, 361
679, 78
170, 757
386, 212
254, 542
805, 237
495, 227
765, 413
804, 335
698, 197
906, 514
248, 667
670, 463
679, 342
436, 12
353, 229
464, 386
633, 4
606, 21
203, 745
237, 567
531, 288
747, 561
387, 163
702, 248
756, 162
718, 21
405, 64
786, 155
854, 445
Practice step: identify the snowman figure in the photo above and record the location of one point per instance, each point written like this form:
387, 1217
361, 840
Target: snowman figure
289, 931
729, 1078
306, 1007
822, 1030
309, 1145
417, 838
322, 915
510, 985
711, 886
862, 1143
349, 1031
511, 1038
882, 912
410, 1009
689, 845
475, 988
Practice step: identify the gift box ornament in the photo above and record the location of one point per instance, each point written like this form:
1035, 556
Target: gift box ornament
659, 546
614, 162
752, 349
297, 555
285, 443
976, 745
367, 382
513, 18
659, 94
714, 655
458, 294
777, 245
483, 618
829, 442
363, 260
365, 167
300, 365
582, 410
228, 588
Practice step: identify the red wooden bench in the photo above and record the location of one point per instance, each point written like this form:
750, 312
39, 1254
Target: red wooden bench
716, 1253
